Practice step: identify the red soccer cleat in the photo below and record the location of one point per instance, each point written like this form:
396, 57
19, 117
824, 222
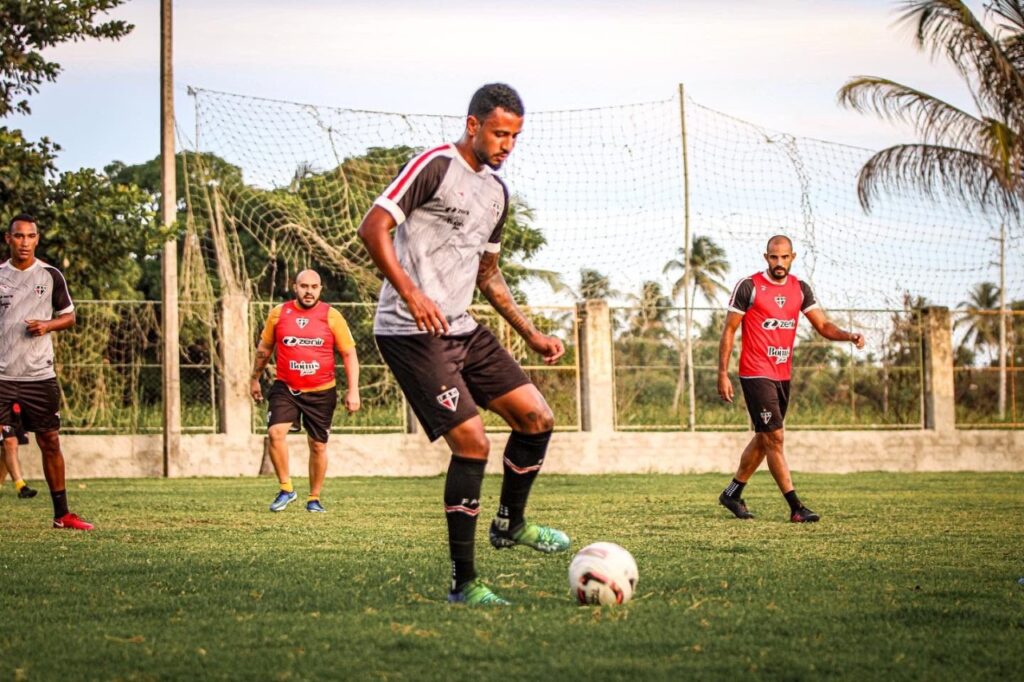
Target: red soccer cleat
72, 522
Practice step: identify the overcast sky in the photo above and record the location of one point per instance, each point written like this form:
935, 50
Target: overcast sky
774, 62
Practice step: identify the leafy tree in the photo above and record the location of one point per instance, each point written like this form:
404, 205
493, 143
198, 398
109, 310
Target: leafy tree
975, 157
31, 26
25, 168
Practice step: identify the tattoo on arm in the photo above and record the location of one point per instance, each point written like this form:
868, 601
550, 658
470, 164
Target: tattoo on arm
260, 364
495, 289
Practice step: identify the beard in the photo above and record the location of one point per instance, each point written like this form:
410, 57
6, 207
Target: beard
302, 304
778, 272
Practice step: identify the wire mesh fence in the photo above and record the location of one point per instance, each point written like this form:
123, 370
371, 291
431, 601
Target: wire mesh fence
110, 369
989, 392
834, 385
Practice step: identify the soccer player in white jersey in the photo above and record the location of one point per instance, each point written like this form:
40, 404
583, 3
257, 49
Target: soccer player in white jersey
447, 209
34, 303
768, 306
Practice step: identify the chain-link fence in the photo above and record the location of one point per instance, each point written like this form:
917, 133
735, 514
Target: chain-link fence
834, 386
383, 405
110, 369
989, 393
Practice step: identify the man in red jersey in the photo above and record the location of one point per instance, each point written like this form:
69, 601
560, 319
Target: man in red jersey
768, 304
303, 335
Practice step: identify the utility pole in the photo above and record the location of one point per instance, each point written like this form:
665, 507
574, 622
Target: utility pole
1002, 321
169, 260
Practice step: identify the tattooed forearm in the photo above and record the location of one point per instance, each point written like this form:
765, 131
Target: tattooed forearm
262, 358
494, 288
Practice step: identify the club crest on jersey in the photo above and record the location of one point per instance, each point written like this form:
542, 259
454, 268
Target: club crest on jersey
302, 322
780, 353
766, 416
40, 290
781, 300
449, 399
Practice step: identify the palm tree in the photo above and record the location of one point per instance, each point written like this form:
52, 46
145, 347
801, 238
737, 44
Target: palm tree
977, 158
982, 326
708, 265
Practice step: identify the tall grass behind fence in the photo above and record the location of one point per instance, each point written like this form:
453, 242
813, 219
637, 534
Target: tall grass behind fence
834, 386
109, 367
976, 369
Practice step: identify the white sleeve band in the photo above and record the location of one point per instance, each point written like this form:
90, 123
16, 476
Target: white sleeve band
391, 207
492, 247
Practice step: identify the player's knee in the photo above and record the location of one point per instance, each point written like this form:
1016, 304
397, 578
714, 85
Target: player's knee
773, 439
538, 420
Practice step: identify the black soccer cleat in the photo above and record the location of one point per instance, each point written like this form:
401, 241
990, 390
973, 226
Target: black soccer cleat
737, 507
804, 515
26, 493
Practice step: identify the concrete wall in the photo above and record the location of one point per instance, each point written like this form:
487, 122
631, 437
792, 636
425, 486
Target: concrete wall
571, 452
597, 449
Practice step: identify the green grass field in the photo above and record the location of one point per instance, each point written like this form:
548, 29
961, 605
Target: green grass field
908, 576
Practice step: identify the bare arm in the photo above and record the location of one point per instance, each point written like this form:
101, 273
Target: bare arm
263, 352
40, 327
495, 289
351, 362
375, 231
830, 331
732, 323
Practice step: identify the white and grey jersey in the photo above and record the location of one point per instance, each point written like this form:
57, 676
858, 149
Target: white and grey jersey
448, 215
37, 293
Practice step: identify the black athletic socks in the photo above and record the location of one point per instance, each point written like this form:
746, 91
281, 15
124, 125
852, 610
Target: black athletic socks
734, 489
524, 455
793, 500
60, 503
461, 506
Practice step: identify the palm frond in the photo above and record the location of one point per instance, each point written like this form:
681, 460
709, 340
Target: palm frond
936, 170
939, 122
949, 27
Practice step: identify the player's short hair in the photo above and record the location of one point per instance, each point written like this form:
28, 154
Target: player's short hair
21, 218
778, 236
493, 95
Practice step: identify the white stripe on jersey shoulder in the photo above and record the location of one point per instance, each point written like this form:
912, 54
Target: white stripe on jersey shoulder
389, 198
811, 307
69, 309
391, 207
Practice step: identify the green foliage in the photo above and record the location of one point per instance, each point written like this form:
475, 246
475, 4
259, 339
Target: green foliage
32, 26
25, 169
189, 578
97, 232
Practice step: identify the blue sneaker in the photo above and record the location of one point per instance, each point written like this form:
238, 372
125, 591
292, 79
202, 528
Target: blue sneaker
282, 500
315, 506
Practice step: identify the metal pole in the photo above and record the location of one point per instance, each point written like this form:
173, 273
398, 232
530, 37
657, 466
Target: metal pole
169, 261
687, 278
1002, 321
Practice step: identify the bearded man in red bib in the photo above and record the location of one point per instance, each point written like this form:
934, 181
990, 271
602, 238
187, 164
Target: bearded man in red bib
303, 335
768, 305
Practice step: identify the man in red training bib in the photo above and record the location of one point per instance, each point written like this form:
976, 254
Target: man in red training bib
303, 335
768, 304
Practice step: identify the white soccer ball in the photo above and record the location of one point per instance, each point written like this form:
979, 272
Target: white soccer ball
603, 573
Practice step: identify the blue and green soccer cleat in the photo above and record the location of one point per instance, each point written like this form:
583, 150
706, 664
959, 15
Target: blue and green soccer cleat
475, 593
315, 506
541, 538
282, 500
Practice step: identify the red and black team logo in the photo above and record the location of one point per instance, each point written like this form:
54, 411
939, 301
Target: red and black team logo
449, 399
302, 322
781, 300
40, 290
766, 416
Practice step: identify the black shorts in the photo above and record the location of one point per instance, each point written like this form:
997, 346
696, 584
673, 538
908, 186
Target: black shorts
39, 402
315, 408
767, 402
15, 429
445, 378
